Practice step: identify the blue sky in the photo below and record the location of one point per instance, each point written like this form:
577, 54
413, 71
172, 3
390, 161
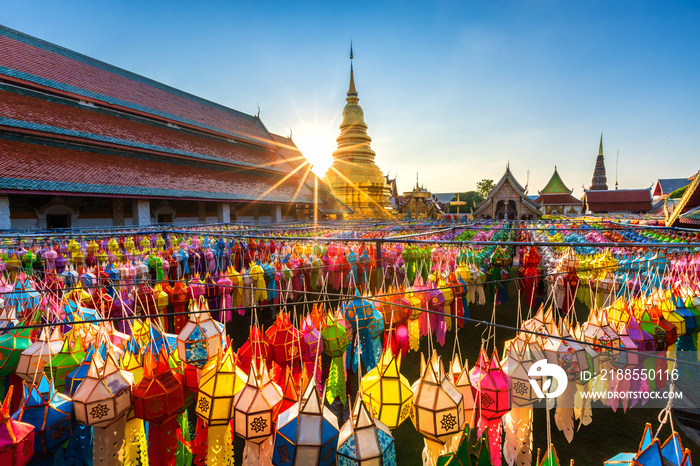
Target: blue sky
452, 90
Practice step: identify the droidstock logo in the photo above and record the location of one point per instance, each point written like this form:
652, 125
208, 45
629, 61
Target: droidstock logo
546, 372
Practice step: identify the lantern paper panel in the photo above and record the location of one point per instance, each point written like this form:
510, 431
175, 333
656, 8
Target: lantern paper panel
387, 392
438, 406
460, 376
364, 440
105, 394
335, 342
160, 395
50, 413
12, 344
66, 361
254, 405
200, 339
34, 359
16, 437
215, 397
307, 433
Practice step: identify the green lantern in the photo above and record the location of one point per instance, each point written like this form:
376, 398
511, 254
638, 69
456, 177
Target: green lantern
12, 344
66, 361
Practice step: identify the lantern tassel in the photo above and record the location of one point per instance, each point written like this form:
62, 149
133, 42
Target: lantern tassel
162, 441
107, 442
135, 447
431, 452
524, 435
336, 383
510, 441
220, 446
494, 434
564, 414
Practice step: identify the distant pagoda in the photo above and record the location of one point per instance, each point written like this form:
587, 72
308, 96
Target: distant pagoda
600, 181
354, 178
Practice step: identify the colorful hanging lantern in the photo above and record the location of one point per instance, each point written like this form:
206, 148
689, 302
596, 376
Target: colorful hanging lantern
387, 391
284, 341
368, 322
67, 360
105, 394
438, 407
50, 413
460, 377
16, 438
307, 433
200, 339
12, 344
33, 360
215, 396
364, 440
335, 342
254, 406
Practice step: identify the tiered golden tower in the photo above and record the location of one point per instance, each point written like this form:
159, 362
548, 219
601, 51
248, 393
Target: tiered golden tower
354, 178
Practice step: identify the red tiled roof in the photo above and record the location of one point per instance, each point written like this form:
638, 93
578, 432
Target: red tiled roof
623, 200
557, 199
102, 173
46, 112
44, 64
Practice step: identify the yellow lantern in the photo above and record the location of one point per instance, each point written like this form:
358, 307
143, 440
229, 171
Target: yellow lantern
33, 360
215, 398
387, 391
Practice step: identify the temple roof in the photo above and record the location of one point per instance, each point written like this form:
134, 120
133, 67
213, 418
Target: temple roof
557, 199
555, 185
668, 185
509, 179
687, 204
618, 200
73, 124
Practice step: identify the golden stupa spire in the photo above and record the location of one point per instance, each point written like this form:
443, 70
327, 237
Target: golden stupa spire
351, 89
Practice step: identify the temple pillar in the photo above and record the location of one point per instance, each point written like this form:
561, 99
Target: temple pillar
142, 212
224, 212
278, 214
201, 212
5, 223
256, 213
117, 212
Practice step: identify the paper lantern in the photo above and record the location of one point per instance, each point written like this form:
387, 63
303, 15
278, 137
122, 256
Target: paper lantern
369, 324
307, 433
460, 377
284, 341
335, 342
50, 413
75, 378
438, 407
387, 391
220, 380
67, 360
254, 404
567, 354
364, 440
12, 344
601, 333
254, 348
105, 394
200, 339
16, 438
33, 360
160, 394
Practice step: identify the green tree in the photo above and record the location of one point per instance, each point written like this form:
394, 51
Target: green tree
484, 187
471, 198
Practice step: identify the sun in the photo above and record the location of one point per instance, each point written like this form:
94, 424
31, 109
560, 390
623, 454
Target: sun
317, 143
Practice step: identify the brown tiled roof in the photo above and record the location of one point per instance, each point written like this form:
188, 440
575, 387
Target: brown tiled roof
55, 115
622, 200
29, 60
31, 166
557, 199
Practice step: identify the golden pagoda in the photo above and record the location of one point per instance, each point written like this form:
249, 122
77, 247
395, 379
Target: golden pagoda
354, 178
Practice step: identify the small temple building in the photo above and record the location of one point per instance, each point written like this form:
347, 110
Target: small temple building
508, 200
555, 198
600, 200
353, 177
420, 204
84, 143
